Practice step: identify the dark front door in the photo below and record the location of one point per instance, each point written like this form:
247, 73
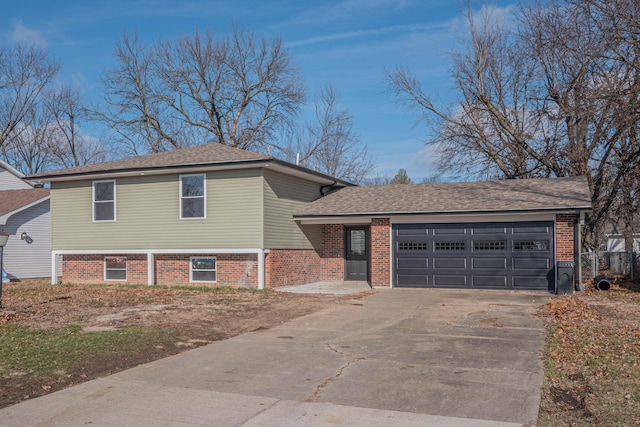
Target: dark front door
357, 253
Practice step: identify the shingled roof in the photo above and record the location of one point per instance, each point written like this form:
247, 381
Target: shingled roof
208, 154
454, 197
12, 200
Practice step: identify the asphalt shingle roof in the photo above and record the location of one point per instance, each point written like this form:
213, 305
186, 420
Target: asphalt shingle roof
10, 200
199, 155
484, 196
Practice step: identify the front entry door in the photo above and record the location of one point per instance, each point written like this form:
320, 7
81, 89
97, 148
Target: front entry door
357, 253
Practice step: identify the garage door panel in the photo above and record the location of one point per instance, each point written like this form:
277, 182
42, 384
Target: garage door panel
413, 280
449, 230
412, 230
403, 263
531, 263
484, 255
489, 263
530, 282
489, 281
534, 228
480, 229
449, 263
450, 280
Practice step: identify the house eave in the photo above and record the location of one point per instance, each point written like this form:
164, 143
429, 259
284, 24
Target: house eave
272, 164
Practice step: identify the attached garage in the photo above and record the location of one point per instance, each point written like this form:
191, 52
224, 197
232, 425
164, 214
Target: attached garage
512, 234
515, 255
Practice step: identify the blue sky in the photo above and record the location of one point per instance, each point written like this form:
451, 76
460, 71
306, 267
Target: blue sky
347, 43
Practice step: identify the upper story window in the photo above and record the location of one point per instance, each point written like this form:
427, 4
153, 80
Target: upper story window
192, 196
104, 200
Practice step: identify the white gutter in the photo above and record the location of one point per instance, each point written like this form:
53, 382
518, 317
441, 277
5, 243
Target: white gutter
150, 258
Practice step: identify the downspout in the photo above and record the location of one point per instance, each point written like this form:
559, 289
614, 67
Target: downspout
54, 269
151, 269
578, 245
261, 253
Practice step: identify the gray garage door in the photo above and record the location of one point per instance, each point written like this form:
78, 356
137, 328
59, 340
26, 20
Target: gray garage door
516, 255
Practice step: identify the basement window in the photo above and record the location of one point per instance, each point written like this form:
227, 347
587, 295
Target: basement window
115, 268
202, 269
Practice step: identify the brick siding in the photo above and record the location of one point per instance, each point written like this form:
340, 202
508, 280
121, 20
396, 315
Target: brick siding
332, 254
285, 267
380, 252
81, 269
235, 270
565, 249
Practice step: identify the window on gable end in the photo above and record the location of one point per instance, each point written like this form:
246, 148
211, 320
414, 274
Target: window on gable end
104, 200
192, 196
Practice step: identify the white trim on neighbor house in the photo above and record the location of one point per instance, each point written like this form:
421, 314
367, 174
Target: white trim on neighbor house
4, 218
260, 253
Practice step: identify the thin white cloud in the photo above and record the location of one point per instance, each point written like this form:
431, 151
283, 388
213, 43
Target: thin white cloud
24, 35
365, 33
347, 8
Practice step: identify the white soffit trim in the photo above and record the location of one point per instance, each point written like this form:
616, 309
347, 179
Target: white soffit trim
153, 251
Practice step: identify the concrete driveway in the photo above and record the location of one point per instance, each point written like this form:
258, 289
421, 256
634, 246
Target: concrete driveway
398, 357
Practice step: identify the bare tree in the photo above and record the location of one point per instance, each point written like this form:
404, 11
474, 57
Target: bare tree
238, 90
328, 144
401, 178
68, 146
50, 136
25, 148
24, 75
548, 99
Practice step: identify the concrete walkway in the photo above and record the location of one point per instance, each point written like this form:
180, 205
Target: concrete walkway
335, 288
398, 357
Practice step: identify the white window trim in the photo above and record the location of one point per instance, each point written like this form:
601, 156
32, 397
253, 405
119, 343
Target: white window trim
93, 201
204, 196
126, 265
191, 270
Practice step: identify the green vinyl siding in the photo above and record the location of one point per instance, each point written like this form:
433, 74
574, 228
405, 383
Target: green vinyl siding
283, 196
148, 214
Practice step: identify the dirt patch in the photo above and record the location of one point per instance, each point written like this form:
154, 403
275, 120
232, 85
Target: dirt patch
186, 318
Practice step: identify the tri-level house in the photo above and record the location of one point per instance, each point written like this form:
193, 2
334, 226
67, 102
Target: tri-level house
215, 215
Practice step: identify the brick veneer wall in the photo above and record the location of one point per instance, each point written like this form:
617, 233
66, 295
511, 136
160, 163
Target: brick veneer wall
332, 253
79, 269
565, 249
284, 267
236, 270
380, 252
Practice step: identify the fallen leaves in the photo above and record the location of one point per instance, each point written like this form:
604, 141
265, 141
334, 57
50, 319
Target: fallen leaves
591, 359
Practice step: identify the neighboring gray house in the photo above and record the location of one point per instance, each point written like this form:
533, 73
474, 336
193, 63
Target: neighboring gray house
25, 214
